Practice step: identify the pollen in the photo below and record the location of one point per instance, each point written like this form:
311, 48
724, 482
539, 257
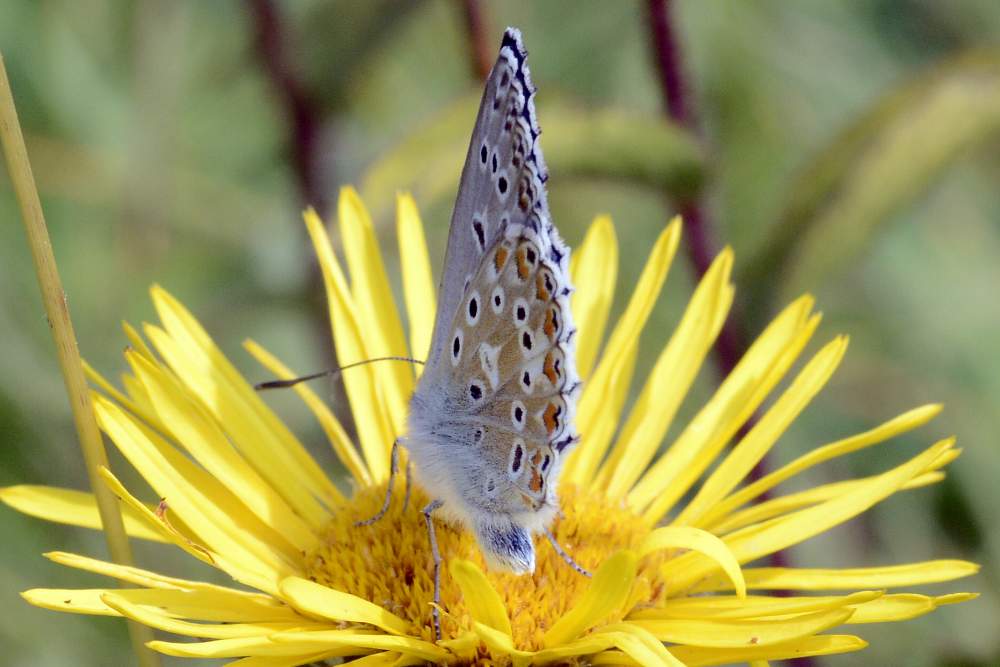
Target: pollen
389, 563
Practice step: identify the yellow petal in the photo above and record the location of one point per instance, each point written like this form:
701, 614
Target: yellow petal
890, 576
482, 600
166, 528
283, 661
670, 379
502, 644
607, 593
130, 405
727, 633
140, 577
249, 646
204, 440
75, 508
640, 645
683, 537
150, 617
418, 282
754, 606
375, 432
137, 398
594, 270
219, 520
614, 371
695, 656
137, 342
342, 445
896, 607
741, 460
74, 601
890, 429
375, 304
325, 602
218, 605
793, 501
585, 645
334, 638
377, 660
464, 646
263, 439
694, 451
762, 539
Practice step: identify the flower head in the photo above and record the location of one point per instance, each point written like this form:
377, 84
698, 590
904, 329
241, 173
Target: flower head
666, 534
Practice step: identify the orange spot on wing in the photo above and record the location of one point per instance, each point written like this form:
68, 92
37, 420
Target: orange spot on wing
550, 368
522, 264
551, 417
550, 324
535, 484
500, 258
541, 293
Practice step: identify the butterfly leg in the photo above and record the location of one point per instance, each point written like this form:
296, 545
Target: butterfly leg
427, 511
565, 556
409, 478
393, 469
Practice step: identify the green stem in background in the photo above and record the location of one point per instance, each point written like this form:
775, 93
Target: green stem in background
66, 346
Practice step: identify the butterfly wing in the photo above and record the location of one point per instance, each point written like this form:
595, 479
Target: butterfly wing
502, 166
492, 415
516, 356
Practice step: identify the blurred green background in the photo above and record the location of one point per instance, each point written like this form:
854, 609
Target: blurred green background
846, 149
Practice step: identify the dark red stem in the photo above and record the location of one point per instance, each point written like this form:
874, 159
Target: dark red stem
479, 43
700, 242
301, 113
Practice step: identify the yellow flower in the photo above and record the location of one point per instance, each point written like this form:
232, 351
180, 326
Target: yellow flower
242, 494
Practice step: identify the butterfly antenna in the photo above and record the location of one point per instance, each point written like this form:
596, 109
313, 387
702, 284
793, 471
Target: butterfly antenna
282, 384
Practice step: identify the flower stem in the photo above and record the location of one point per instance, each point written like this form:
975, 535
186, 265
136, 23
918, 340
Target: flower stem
302, 115
479, 45
701, 246
67, 350
700, 242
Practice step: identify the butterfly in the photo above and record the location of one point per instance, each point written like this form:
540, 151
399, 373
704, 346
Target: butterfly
491, 419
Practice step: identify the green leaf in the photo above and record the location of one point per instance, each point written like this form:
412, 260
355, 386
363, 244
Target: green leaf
876, 167
610, 144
